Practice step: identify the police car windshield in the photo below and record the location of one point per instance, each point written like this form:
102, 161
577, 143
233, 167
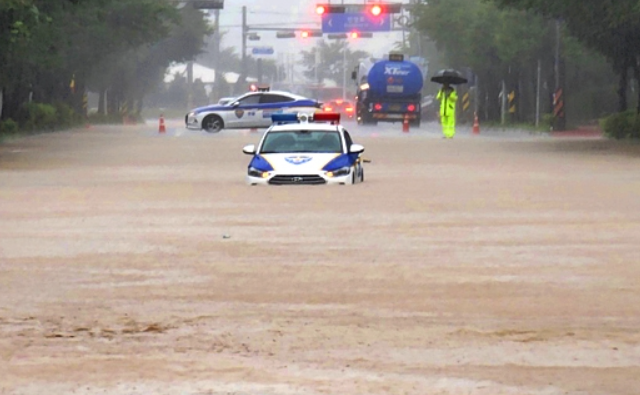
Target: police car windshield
308, 141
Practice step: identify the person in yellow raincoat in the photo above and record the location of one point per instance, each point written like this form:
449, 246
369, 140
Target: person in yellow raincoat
448, 99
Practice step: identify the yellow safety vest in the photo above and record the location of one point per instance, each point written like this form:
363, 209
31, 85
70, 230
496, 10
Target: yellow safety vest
447, 102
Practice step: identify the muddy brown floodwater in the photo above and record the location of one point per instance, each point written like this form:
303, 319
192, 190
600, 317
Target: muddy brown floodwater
133, 263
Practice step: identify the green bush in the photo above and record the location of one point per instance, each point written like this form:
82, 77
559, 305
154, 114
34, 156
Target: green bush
546, 121
66, 116
623, 125
40, 117
8, 127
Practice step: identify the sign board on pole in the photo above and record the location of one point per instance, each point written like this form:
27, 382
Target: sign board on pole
262, 51
348, 22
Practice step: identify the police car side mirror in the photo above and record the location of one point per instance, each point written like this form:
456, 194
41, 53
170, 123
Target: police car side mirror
356, 149
235, 104
249, 149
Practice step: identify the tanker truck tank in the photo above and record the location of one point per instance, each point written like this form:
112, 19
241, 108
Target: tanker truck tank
390, 92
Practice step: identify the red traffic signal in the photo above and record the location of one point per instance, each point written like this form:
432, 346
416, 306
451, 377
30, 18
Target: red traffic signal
379, 9
326, 8
310, 33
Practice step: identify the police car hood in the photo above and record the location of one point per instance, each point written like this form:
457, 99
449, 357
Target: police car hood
299, 163
215, 107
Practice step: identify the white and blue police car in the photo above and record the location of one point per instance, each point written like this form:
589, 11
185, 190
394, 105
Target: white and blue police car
251, 110
305, 149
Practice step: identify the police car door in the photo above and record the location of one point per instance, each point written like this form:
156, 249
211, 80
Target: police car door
357, 166
244, 112
273, 103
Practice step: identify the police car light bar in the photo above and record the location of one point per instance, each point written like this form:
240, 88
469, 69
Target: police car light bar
326, 117
284, 118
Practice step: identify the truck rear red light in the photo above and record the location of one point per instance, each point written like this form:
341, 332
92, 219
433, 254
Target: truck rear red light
411, 108
377, 106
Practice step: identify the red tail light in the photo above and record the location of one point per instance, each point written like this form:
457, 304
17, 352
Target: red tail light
411, 108
328, 109
349, 109
377, 106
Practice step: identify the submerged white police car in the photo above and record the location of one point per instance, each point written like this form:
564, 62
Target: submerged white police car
251, 110
303, 149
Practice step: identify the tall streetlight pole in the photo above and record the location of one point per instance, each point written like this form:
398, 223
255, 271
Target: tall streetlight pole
344, 70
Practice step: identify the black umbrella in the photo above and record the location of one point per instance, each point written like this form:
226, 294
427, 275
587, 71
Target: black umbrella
449, 76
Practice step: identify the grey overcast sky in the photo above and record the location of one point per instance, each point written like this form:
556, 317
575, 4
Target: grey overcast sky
291, 13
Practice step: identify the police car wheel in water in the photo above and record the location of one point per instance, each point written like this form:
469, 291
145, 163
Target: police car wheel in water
212, 124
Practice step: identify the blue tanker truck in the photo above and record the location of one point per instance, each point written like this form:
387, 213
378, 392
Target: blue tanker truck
388, 90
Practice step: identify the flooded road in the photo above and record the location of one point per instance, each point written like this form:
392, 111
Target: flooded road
138, 263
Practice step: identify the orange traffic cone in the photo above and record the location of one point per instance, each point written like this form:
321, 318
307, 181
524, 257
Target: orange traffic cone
162, 128
476, 124
405, 123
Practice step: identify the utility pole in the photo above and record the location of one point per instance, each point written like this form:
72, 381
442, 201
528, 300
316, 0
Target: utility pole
216, 55
317, 61
245, 32
538, 93
503, 105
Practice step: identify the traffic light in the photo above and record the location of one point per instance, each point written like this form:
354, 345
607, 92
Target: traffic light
379, 9
310, 33
322, 9
375, 9
356, 35
285, 34
336, 36
208, 4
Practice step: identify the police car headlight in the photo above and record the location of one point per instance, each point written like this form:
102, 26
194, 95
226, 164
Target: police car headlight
253, 172
343, 171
